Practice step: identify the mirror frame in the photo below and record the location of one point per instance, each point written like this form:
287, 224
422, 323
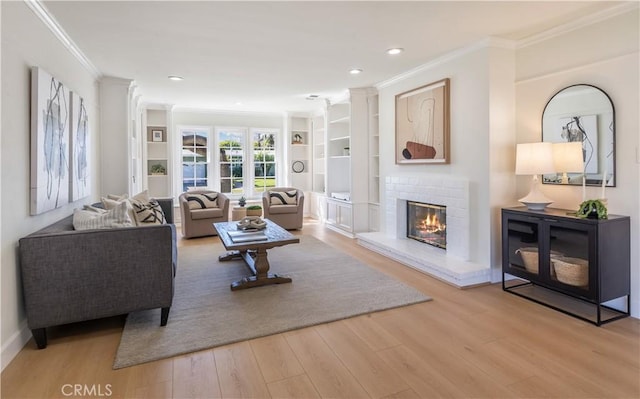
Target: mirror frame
592, 179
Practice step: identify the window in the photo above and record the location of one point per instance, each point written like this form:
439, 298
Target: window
231, 161
264, 160
195, 158
247, 160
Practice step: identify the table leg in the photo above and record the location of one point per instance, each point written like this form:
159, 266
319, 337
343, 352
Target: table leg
259, 266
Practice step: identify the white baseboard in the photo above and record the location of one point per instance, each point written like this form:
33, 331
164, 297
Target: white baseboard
14, 345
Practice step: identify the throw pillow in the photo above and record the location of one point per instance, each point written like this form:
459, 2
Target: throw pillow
86, 219
111, 203
202, 201
141, 196
148, 213
283, 197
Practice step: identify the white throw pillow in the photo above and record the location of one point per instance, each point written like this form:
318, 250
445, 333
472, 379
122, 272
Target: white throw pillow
112, 200
111, 203
283, 197
87, 219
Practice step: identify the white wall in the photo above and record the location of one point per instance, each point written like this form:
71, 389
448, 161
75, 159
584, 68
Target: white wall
115, 145
26, 42
605, 55
480, 76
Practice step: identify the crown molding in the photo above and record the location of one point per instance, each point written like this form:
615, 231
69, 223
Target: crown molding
50, 22
484, 43
578, 23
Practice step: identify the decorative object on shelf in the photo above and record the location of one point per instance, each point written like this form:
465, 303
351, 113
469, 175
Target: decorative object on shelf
529, 256
593, 209
572, 271
158, 169
242, 201
422, 124
583, 114
156, 135
345, 151
49, 142
251, 223
534, 159
297, 139
254, 210
297, 166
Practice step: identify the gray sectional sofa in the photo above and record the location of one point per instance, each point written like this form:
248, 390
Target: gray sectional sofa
70, 276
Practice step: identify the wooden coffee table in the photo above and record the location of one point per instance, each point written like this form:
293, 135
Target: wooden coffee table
254, 253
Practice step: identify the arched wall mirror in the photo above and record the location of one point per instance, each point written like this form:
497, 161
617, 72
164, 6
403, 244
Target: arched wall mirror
583, 113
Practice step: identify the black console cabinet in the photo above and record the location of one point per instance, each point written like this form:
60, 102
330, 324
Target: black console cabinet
567, 263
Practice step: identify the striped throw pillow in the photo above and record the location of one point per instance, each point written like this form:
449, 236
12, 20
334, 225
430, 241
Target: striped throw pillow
148, 213
202, 201
283, 197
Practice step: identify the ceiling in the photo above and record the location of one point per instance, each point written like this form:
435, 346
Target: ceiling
269, 56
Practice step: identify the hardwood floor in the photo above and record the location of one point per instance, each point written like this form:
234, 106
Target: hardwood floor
476, 343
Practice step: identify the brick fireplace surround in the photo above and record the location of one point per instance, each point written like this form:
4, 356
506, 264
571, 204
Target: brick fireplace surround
451, 265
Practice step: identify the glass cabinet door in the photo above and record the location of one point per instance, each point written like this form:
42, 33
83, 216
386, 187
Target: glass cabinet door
523, 248
570, 259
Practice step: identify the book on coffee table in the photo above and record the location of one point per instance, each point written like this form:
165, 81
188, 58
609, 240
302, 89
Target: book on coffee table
247, 236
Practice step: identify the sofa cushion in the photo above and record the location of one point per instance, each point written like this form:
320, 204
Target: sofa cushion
148, 212
207, 213
202, 201
283, 197
282, 209
89, 219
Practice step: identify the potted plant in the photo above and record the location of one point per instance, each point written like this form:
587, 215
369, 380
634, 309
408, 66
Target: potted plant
158, 169
242, 201
254, 210
592, 209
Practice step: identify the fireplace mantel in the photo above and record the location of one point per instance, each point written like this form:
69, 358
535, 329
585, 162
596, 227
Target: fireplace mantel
452, 265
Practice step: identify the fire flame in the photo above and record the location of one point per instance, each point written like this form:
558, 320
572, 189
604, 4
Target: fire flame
430, 224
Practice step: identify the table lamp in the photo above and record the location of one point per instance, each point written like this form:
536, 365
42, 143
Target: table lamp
567, 158
534, 159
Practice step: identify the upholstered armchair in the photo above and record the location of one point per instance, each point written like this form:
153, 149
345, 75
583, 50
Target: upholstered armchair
284, 206
200, 209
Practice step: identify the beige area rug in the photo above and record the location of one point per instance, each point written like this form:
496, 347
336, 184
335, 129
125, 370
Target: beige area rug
327, 285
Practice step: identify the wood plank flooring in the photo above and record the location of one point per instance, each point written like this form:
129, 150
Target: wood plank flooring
476, 343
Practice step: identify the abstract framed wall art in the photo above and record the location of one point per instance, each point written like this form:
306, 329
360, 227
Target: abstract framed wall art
50, 119
422, 124
80, 173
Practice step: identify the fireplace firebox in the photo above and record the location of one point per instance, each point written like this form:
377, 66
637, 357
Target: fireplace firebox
427, 223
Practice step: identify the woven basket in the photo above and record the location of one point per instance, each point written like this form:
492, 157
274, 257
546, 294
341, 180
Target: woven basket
530, 258
572, 271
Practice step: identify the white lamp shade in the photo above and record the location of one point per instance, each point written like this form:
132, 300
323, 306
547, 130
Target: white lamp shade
534, 159
568, 157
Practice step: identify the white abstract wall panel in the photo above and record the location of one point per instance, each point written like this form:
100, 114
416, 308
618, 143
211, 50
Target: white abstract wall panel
80, 176
50, 119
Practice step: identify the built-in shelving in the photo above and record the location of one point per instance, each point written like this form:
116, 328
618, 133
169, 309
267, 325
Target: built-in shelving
157, 167
300, 153
374, 164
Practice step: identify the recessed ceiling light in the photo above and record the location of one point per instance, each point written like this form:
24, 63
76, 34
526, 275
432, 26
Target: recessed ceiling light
355, 71
174, 77
238, 102
394, 51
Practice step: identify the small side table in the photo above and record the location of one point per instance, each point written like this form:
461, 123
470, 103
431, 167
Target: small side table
238, 212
